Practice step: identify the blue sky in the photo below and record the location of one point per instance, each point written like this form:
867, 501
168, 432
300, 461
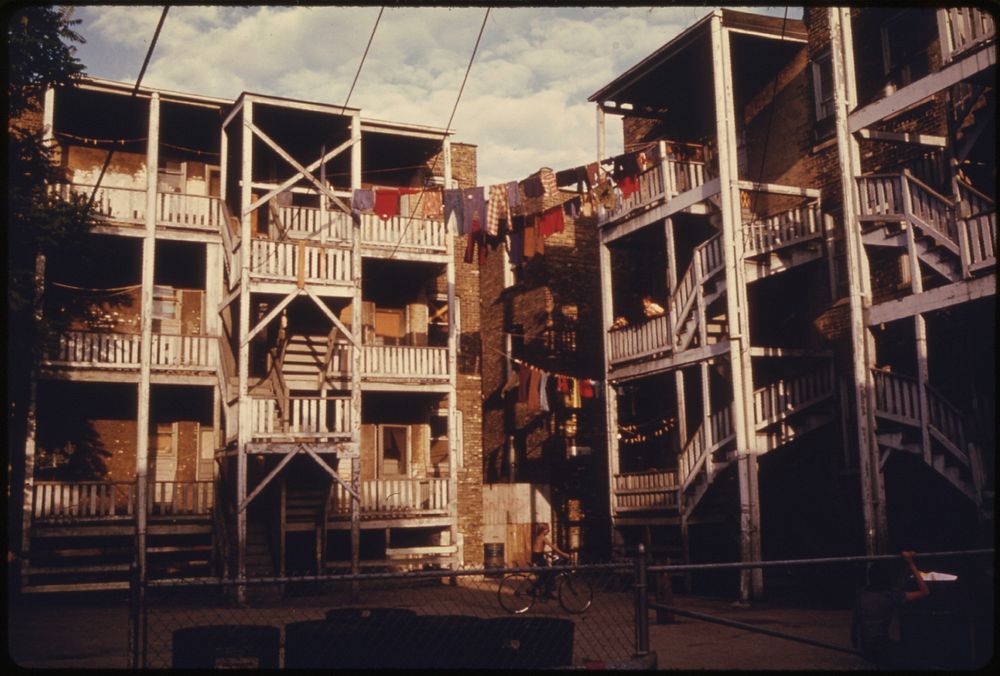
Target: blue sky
525, 104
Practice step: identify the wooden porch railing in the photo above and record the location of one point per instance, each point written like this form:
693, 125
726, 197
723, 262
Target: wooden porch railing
307, 222
171, 351
776, 401
305, 417
191, 211
701, 444
402, 230
897, 397
394, 496
962, 28
281, 260
401, 361
65, 501
977, 228
89, 348
646, 490
795, 225
632, 342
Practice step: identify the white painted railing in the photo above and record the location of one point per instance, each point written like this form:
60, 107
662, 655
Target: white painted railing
401, 361
191, 211
123, 205
702, 443
404, 231
649, 337
184, 351
788, 227
89, 348
299, 222
646, 490
962, 28
776, 401
78, 500
305, 417
281, 260
897, 396
394, 497
977, 228
177, 498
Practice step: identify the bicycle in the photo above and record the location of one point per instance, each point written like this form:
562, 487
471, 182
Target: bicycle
517, 592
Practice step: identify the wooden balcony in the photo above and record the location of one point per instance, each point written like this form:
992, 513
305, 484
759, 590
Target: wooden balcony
121, 351
65, 502
127, 206
657, 186
962, 29
317, 418
645, 491
402, 363
394, 498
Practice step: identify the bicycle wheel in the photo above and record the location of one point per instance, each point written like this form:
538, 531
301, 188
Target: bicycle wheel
575, 593
515, 593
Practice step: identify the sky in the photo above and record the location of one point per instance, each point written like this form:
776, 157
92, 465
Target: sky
524, 105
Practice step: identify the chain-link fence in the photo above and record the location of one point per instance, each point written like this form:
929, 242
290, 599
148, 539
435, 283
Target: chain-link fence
428, 619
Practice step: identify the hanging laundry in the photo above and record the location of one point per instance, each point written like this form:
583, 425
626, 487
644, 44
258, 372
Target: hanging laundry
533, 397
543, 395
474, 202
551, 222
497, 209
513, 195
432, 204
363, 200
454, 207
386, 202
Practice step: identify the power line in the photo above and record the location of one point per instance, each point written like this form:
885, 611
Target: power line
447, 128
135, 90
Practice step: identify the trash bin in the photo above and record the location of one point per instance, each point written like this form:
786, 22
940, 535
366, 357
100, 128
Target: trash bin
226, 646
335, 644
438, 642
529, 643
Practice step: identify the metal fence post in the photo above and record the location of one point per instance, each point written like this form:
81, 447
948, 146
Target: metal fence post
641, 605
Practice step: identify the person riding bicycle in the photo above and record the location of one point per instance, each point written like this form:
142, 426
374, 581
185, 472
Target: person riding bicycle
540, 544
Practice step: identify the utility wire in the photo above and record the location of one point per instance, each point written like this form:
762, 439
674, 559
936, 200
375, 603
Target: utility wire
135, 90
447, 128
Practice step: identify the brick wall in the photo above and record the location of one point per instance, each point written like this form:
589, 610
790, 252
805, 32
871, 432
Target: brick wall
555, 310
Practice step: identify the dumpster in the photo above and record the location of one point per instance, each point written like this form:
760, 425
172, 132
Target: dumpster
226, 646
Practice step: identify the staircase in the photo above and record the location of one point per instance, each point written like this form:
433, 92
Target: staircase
956, 241
946, 449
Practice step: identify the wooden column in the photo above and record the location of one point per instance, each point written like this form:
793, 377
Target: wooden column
845, 100
243, 364
610, 394
736, 309
357, 358
145, 347
453, 337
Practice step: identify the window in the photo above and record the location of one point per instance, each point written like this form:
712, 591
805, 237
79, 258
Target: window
822, 73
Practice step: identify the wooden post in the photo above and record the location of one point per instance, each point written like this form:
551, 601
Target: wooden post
454, 460
736, 309
357, 360
610, 394
245, 426
845, 99
145, 346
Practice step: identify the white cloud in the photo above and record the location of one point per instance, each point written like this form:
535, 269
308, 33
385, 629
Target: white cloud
524, 105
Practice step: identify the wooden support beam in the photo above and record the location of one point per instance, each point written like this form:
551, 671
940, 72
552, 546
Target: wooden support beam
270, 315
305, 173
266, 480
895, 137
333, 318
932, 299
296, 177
923, 88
